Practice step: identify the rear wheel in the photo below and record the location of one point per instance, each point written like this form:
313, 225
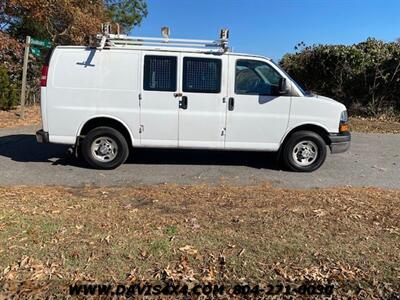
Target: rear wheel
305, 151
105, 148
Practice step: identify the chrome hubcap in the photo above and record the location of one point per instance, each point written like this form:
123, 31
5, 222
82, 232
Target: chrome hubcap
104, 149
305, 153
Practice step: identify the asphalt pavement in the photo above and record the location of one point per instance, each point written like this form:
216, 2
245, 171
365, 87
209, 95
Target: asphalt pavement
373, 160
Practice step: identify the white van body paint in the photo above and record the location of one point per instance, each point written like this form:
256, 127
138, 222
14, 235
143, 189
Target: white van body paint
87, 83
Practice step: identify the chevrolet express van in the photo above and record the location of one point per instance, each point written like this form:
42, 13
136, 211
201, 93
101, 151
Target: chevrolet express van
175, 93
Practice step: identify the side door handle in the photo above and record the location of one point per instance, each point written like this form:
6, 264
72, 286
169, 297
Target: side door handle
183, 103
231, 103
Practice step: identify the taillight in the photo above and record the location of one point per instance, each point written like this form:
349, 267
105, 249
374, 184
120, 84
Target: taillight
43, 79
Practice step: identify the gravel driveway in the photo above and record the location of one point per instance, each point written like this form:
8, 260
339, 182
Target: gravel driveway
373, 160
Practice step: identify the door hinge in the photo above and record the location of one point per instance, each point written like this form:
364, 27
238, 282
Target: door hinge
140, 98
141, 128
223, 132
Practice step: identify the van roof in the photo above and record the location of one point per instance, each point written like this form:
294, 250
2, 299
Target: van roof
168, 49
178, 45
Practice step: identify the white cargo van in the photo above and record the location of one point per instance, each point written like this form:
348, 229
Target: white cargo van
158, 92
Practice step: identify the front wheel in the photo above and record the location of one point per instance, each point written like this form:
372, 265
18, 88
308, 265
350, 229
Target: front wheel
105, 148
305, 151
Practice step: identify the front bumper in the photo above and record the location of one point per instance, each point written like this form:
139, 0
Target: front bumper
339, 142
42, 136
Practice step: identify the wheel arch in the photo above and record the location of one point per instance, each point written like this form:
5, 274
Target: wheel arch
319, 129
103, 120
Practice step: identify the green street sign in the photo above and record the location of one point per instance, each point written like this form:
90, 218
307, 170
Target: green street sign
39, 43
35, 51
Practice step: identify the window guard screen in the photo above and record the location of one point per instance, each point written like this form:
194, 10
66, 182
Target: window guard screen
160, 73
201, 75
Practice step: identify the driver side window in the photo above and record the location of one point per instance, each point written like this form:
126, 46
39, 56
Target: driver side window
255, 77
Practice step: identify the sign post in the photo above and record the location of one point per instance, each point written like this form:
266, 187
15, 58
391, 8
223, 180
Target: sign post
36, 52
24, 74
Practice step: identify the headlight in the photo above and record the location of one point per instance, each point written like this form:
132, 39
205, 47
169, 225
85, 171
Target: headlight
344, 117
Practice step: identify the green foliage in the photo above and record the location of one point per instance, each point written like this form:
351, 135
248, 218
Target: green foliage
127, 13
8, 95
364, 76
26, 26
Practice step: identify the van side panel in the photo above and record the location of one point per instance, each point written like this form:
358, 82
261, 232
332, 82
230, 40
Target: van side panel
320, 112
120, 88
85, 83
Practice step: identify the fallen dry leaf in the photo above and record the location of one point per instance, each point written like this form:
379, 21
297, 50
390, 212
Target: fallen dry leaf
189, 250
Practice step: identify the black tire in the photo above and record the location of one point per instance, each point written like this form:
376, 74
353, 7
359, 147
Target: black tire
311, 140
113, 137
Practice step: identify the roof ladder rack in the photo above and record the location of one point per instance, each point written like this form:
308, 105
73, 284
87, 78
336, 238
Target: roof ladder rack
108, 40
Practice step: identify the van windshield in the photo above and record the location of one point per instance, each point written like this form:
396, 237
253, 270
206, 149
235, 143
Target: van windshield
302, 90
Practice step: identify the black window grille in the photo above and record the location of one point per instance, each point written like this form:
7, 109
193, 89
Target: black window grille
201, 75
160, 73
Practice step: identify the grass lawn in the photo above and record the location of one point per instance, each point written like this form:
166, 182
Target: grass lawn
52, 236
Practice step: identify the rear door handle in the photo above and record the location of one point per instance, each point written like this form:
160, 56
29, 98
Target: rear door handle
231, 103
184, 102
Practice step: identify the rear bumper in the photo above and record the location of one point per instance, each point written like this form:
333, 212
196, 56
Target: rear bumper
42, 136
339, 142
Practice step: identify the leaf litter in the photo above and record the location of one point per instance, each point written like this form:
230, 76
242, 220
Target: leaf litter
53, 236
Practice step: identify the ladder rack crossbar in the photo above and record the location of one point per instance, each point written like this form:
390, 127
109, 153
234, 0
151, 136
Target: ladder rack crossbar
124, 41
164, 40
140, 43
169, 49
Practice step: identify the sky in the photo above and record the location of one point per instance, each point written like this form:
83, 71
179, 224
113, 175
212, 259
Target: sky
273, 27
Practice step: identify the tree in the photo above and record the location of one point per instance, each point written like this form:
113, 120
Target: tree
8, 95
11, 55
61, 21
67, 21
127, 13
364, 76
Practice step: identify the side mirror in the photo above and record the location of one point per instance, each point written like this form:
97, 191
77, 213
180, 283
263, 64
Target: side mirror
283, 87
